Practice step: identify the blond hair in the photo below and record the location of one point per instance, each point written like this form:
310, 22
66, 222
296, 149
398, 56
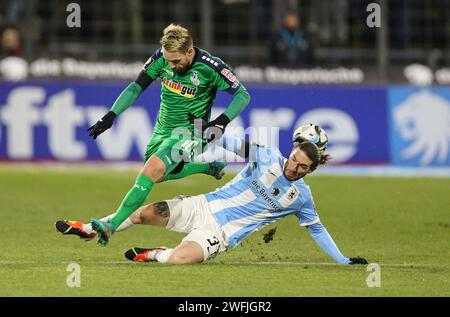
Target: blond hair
176, 39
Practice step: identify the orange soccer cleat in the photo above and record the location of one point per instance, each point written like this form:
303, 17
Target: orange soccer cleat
143, 254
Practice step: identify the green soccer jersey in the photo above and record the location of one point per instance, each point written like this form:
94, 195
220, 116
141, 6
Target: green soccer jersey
190, 93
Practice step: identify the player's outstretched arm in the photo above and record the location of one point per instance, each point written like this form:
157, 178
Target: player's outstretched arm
216, 128
241, 99
125, 99
238, 146
131, 93
320, 234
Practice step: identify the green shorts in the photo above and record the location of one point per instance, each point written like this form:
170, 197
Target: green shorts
174, 149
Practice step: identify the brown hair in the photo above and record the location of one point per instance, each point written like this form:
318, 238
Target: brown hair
311, 150
176, 39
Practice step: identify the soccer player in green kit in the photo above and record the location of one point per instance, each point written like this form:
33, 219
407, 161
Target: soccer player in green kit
190, 78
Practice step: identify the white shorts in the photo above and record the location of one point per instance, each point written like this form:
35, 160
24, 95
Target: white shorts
192, 215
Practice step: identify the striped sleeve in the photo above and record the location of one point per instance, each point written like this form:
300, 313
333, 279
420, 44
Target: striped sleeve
154, 65
222, 75
307, 215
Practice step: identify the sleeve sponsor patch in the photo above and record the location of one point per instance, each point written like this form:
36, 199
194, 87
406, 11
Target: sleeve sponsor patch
150, 61
228, 75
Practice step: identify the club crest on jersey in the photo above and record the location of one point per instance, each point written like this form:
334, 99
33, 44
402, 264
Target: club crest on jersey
292, 194
194, 78
179, 88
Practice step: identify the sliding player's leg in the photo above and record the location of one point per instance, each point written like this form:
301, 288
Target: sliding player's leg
191, 215
197, 247
187, 252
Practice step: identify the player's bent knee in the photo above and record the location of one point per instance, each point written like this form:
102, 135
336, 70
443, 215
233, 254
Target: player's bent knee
154, 168
184, 259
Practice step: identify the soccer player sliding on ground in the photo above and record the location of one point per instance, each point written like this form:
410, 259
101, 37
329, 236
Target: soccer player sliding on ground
190, 78
269, 188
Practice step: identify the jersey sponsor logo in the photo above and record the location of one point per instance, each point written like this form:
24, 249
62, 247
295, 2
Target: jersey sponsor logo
179, 88
262, 191
229, 75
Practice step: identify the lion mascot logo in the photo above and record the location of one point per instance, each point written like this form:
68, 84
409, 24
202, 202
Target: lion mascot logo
424, 120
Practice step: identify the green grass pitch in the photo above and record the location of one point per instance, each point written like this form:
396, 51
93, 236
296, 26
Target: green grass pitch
403, 224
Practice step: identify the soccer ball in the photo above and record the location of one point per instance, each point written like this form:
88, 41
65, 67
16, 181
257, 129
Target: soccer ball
312, 133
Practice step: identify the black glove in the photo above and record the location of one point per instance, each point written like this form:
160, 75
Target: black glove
102, 125
358, 260
212, 130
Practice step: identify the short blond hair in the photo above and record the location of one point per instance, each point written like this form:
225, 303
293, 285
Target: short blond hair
176, 39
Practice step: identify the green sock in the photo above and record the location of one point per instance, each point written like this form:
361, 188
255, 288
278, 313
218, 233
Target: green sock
190, 169
133, 200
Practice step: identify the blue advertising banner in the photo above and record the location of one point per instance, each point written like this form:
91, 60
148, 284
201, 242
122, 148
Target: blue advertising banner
48, 120
419, 126
354, 118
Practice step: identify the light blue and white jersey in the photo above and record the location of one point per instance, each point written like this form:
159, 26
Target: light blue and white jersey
258, 195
